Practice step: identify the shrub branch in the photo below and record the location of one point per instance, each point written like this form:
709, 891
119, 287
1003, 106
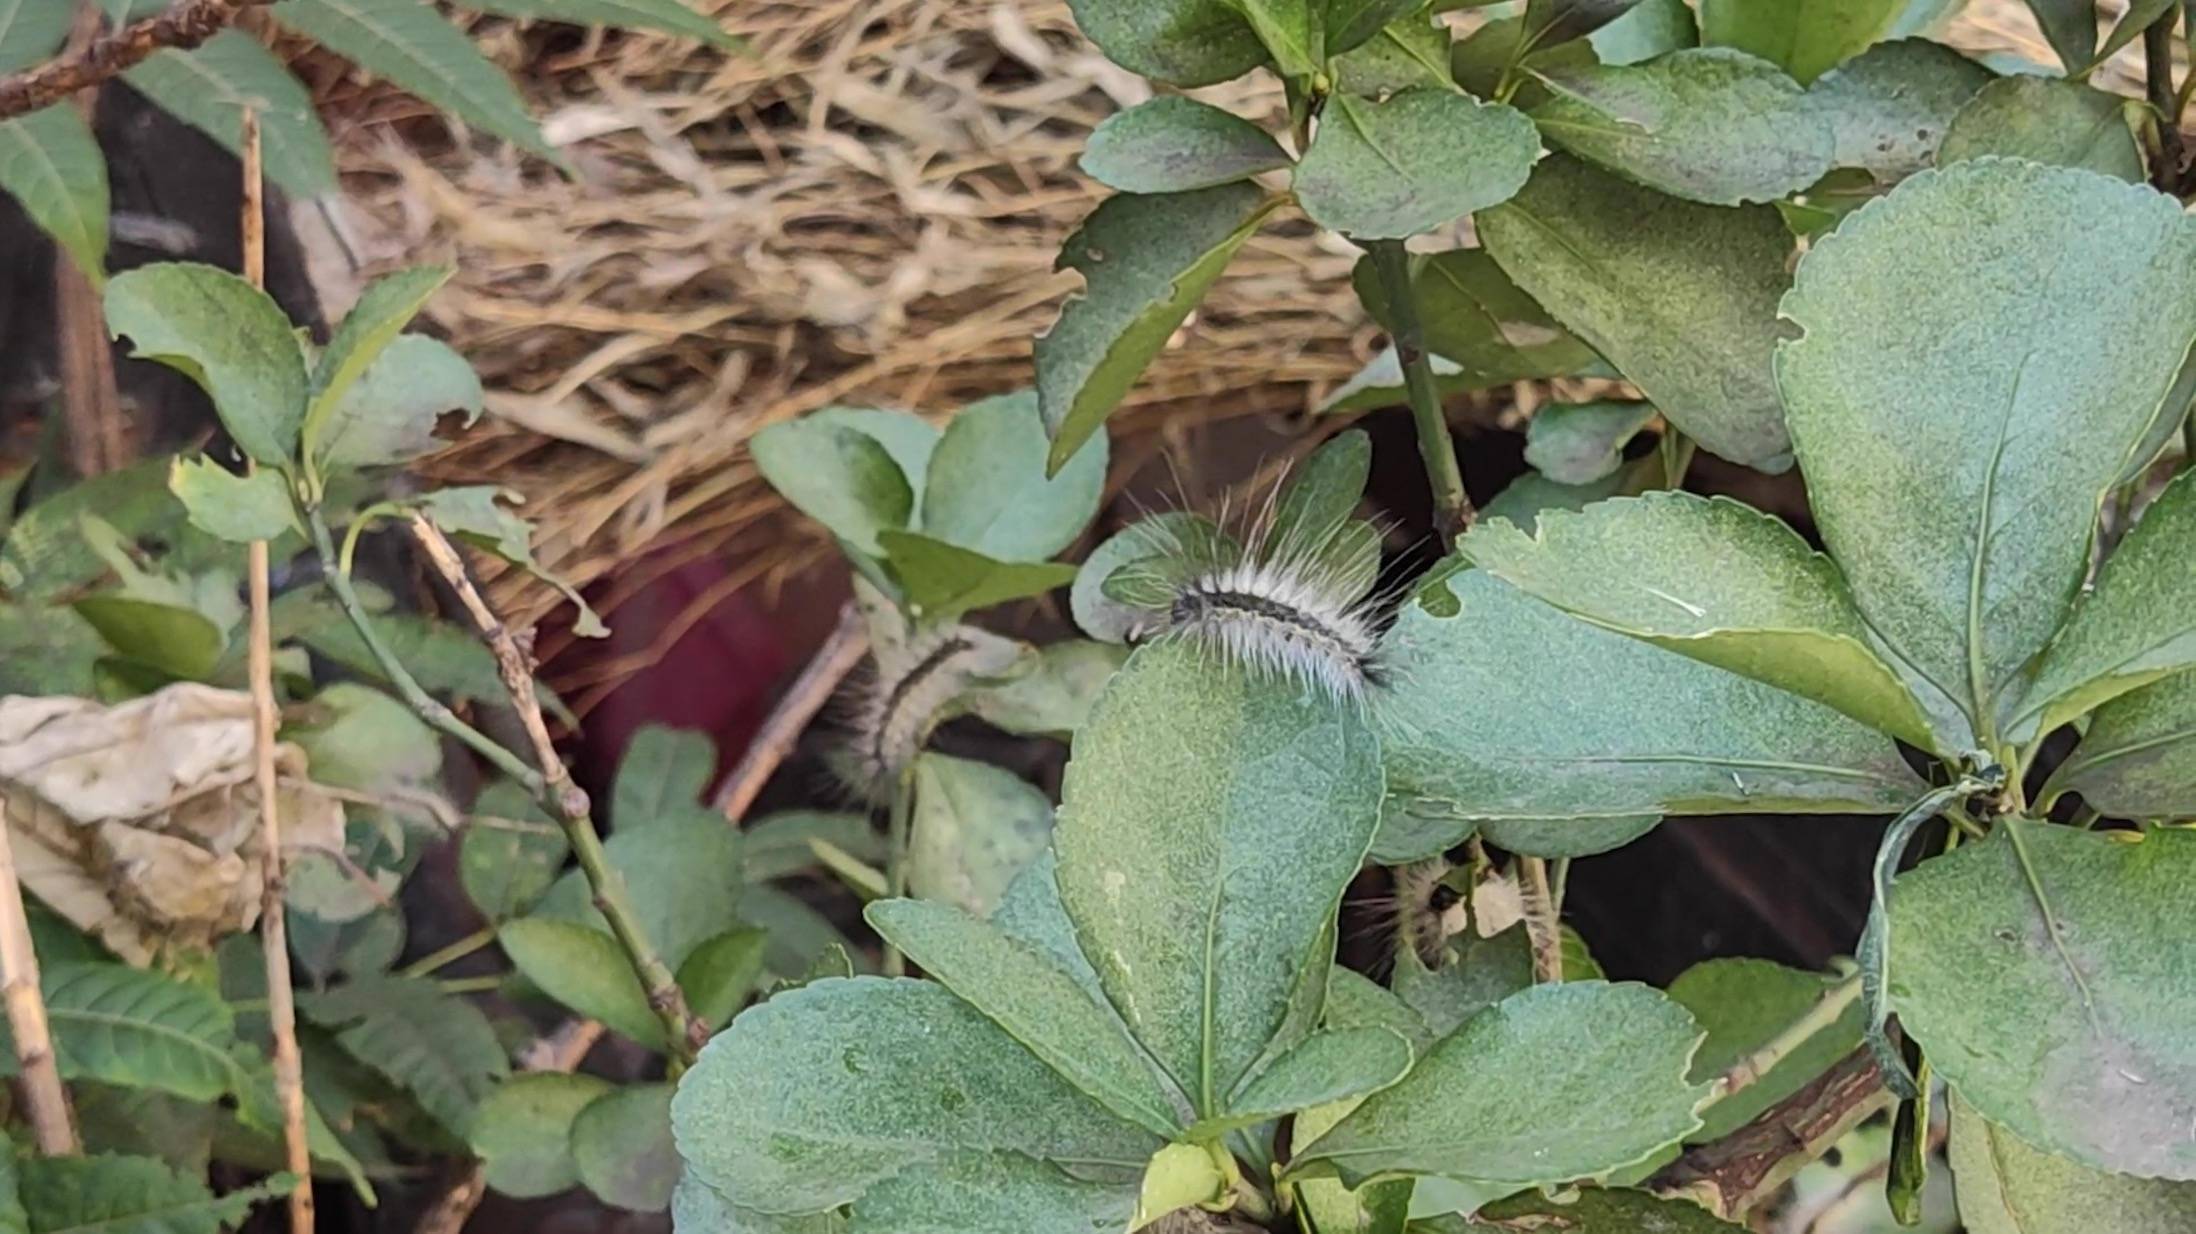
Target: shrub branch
1436, 448
183, 25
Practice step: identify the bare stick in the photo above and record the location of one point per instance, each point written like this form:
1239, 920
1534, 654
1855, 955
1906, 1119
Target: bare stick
185, 25
274, 933
1542, 928
567, 802
789, 718
51, 1121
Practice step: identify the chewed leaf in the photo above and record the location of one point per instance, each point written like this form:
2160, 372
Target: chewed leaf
474, 515
233, 507
229, 337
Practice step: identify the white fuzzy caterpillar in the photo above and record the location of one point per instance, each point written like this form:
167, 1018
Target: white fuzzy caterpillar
913, 689
1425, 912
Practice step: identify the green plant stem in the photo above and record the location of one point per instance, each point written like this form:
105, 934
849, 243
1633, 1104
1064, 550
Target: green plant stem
443, 957
2158, 86
470, 985
563, 800
1822, 1015
1436, 448
1559, 880
903, 824
1677, 451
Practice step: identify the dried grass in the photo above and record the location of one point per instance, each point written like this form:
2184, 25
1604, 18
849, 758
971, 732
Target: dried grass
866, 209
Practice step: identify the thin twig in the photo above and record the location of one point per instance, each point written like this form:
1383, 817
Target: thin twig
561, 1050
567, 802
789, 718
1826, 1012
2158, 85
91, 402
40, 1075
1436, 449
185, 25
274, 936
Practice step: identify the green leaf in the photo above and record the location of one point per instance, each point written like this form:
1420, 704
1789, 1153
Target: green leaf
523, 1131
135, 1029
1146, 260
1552, 22
1716, 580
1707, 124
1598, 1211
1031, 911
30, 31
389, 414
1473, 314
504, 870
837, 475
682, 879
2138, 624
1327, 1066
2006, 1187
1207, 782
129, 1195
474, 514
1609, 1089
669, 16
46, 651
987, 488
1322, 492
991, 1193
811, 1098
975, 827
1175, 534
907, 437
2137, 17
1807, 37
1180, 42
2045, 120
721, 973
417, 49
1890, 107
2051, 302
2069, 1030
1474, 975
1579, 443
777, 845
1411, 51
210, 86
2070, 26
436, 1046
1566, 837
366, 740
584, 969
943, 580
1171, 144
179, 642
621, 1143
1681, 297
1054, 697
50, 162
1414, 162
47, 554
1647, 30
1603, 727
1036, 1000
229, 337
698, 1208
662, 776
1745, 1004
2138, 758
1179, 1176
233, 507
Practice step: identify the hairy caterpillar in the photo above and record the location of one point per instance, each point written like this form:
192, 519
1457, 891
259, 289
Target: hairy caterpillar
1425, 910
918, 676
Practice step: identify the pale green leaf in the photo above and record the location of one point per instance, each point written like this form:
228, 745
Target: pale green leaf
1178, 535
669, 16
662, 776
1410, 52
1602, 726
1211, 817
1565, 837
137, 1029
1330, 1065
475, 515
416, 48
1807, 37
129, 1195
46, 651
987, 487
1680, 297
229, 337
1052, 698
777, 845
1718, 581
1745, 1004
2006, 1187
210, 86
360, 738
907, 437
1036, 1000
1031, 911
436, 1046
975, 828
943, 580
1146, 260
523, 1132
1411, 163
233, 507
1890, 106
997, 1192
682, 880
811, 1098
1598, 1211
1475, 974
1647, 30
2138, 757
1608, 1064
2069, 1030
2045, 120
30, 31
1579, 443
698, 1208
1171, 143
1984, 351
837, 475
584, 969
720, 974
50, 162
389, 415
1181, 42
1472, 314
621, 1143
1322, 491
1179, 1175
1707, 124
507, 864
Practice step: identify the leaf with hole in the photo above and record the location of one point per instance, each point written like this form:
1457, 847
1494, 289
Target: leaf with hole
229, 337
233, 507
